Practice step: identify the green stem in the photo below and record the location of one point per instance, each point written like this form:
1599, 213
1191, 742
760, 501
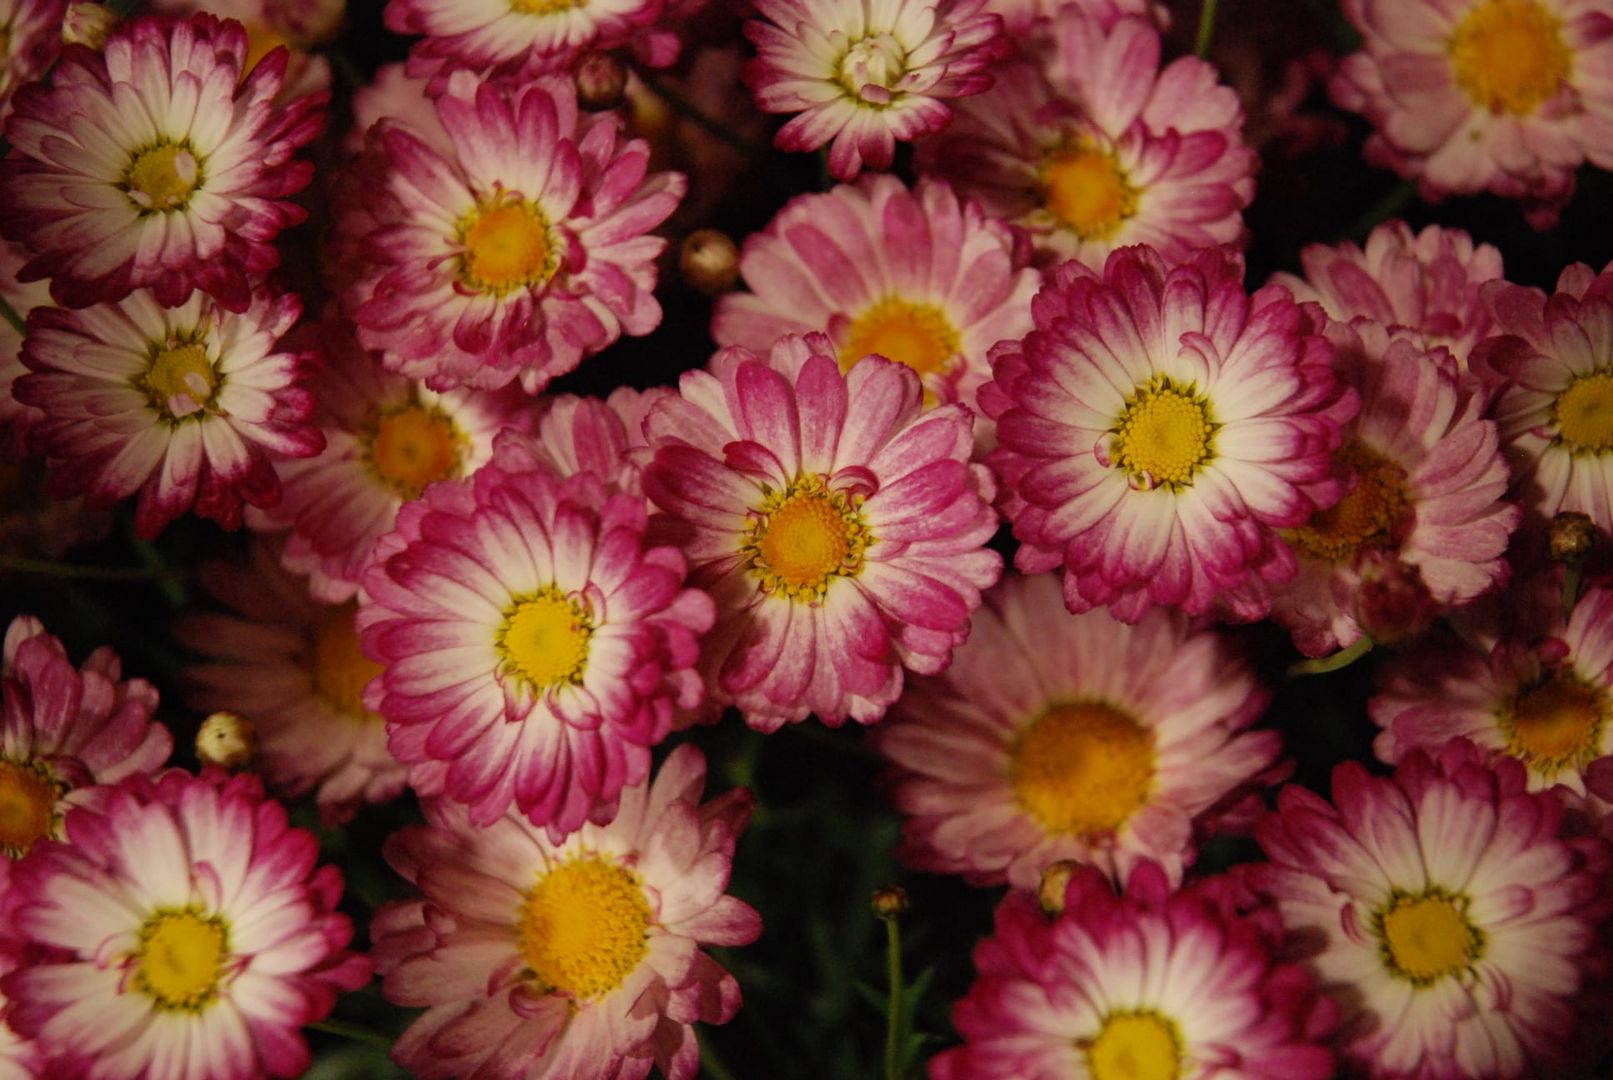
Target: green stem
19, 565
9, 313
1334, 662
1392, 204
893, 1018
356, 1032
711, 1064
1206, 29
1571, 580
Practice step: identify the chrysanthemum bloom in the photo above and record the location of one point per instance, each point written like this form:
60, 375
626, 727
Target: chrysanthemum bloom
160, 163
183, 931
574, 961
19, 1058
583, 434
293, 667
66, 730
1057, 736
183, 404
1424, 474
1140, 984
30, 40
1157, 429
838, 525
1448, 911
1483, 95
1093, 146
917, 277
535, 647
1424, 285
516, 256
1552, 368
299, 26
386, 438
866, 73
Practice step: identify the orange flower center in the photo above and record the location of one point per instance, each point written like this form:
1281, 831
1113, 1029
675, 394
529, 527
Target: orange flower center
1509, 56
1584, 413
1085, 187
585, 926
802, 538
415, 446
507, 247
341, 671
1082, 769
1366, 519
1555, 725
28, 797
917, 335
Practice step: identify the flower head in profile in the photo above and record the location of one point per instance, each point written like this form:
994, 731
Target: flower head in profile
29, 44
862, 75
573, 961
182, 931
838, 525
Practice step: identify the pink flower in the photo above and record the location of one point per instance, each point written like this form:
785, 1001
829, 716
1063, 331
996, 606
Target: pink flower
298, 26
1158, 428
22, 298
574, 961
182, 932
29, 46
583, 434
160, 163
839, 527
867, 74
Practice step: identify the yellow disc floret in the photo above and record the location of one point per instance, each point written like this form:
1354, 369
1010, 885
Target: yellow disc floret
545, 7
1164, 435
340, 670
800, 539
506, 247
1135, 1046
544, 638
28, 795
1427, 937
413, 446
1082, 769
1584, 413
1367, 518
585, 926
1555, 725
180, 377
1085, 188
915, 334
181, 959
1509, 56
162, 177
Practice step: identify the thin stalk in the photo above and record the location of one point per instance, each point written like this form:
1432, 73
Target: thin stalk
45, 568
356, 1032
1392, 204
9, 313
1206, 29
893, 1018
1571, 582
1334, 661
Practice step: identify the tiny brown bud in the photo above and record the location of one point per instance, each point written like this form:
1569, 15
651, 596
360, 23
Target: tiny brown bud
1392, 602
1571, 537
88, 24
709, 261
227, 740
890, 902
601, 81
1055, 881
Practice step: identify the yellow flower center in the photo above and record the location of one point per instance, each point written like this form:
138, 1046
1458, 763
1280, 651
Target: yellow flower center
1555, 725
545, 7
802, 538
1367, 518
1585, 413
415, 446
181, 959
545, 638
1163, 437
917, 335
1135, 1046
507, 247
28, 797
163, 177
1086, 189
341, 671
585, 926
1509, 55
180, 378
878, 60
1428, 937
1082, 769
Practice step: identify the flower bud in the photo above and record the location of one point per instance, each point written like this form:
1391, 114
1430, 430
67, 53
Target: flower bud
88, 24
890, 903
227, 740
1055, 882
1571, 537
709, 261
1392, 602
601, 82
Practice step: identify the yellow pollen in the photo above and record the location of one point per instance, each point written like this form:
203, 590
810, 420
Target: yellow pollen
585, 926
163, 177
1585, 413
1135, 1046
181, 379
1082, 769
340, 669
1366, 519
545, 7
506, 247
1086, 189
27, 806
1428, 937
1555, 725
415, 446
1509, 56
1164, 435
802, 538
917, 335
545, 638
181, 959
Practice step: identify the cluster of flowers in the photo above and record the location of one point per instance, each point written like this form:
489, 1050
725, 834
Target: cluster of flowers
505, 600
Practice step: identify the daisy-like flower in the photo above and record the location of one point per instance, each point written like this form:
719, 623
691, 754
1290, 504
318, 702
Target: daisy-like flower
582, 434
1425, 476
292, 666
299, 26
1089, 145
159, 163
517, 255
386, 438
916, 277
1157, 429
535, 647
1552, 366
182, 404
1057, 736
30, 41
838, 525
183, 932
1483, 95
574, 961
1446, 908
65, 731
866, 74
1424, 285
1140, 984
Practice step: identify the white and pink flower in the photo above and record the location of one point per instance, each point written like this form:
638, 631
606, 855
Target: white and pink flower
30, 41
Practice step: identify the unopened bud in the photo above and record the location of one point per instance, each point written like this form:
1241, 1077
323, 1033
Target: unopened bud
227, 740
890, 902
601, 81
1571, 537
709, 261
88, 24
1055, 883
1392, 602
